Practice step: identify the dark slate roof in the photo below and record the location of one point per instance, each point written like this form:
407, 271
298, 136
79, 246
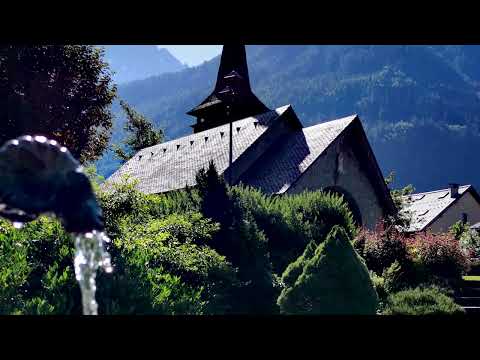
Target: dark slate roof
290, 157
174, 164
425, 207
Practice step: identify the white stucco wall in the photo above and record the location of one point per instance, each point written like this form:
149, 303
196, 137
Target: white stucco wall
466, 204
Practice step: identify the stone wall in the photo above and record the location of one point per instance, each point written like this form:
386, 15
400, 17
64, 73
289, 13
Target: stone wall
338, 166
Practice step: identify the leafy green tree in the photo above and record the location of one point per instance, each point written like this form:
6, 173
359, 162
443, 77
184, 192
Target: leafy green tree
61, 91
334, 280
142, 134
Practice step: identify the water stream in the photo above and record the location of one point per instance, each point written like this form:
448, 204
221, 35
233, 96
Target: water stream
90, 254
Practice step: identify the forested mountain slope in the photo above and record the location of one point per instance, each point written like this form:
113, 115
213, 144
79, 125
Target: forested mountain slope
420, 105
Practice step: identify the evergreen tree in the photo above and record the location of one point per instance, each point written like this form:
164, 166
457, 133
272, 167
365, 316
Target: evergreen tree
334, 280
142, 133
63, 92
241, 241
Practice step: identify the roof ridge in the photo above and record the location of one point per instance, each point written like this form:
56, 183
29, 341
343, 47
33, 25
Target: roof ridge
280, 110
345, 118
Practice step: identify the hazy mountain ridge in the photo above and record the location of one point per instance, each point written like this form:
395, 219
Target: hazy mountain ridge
138, 62
408, 97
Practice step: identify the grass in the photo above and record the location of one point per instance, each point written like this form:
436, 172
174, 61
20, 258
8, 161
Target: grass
471, 278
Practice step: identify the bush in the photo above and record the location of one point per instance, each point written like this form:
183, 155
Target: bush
440, 255
381, 247
334, 280
379, 285
167, 268
470, 244
290, 222
421, 301
396, 278
36, 269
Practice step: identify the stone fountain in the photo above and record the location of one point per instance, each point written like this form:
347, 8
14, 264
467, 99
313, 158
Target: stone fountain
38, 176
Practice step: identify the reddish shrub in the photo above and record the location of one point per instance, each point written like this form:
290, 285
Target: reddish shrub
381, 247
440, 254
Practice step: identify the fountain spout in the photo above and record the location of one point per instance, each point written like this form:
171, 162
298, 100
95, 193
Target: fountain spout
39, 176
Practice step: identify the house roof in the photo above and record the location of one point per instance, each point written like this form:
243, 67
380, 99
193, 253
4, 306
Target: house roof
425, 208
173, 165
291, 156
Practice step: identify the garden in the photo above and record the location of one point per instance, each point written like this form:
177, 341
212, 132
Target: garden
220, 250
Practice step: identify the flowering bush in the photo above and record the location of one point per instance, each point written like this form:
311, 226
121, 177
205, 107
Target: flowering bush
440, 254
381, 247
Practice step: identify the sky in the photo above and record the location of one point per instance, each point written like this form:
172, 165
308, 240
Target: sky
193, 55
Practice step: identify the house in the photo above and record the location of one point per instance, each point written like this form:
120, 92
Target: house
270, 149
438, 210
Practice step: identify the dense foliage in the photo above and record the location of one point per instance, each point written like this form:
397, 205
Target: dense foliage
439, 254
333, 279
61, 91
293, 221
141, 134
422, 301
252, 254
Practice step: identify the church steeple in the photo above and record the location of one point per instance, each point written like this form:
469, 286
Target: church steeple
232, 99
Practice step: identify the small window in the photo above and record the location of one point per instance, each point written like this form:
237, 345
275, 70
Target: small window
424, 213
417, 197
464, 218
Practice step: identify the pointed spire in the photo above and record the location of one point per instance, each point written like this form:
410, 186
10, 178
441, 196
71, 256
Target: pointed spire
233, 60
232, 99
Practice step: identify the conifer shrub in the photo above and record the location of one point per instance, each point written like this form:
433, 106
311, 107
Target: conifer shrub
334, 280
396, 278
422, 301
241, 241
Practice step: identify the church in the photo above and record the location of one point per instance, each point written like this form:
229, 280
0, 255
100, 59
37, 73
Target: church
268, 149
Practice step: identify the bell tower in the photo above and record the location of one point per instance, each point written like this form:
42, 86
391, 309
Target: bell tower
232, 98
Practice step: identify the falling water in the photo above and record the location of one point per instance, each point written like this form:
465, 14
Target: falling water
89, 256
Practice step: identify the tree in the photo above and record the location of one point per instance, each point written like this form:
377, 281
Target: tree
63, 92
142, 133
403, 218
241, 241
334, 280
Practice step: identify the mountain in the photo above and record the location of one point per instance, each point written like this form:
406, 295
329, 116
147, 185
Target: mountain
137, 62
420, 105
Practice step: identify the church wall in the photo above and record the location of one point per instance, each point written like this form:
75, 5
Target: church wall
466, 204
338, 166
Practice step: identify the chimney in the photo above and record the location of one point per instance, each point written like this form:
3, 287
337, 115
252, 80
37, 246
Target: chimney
453, 190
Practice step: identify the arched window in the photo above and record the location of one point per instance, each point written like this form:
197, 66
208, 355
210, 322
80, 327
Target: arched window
348, 198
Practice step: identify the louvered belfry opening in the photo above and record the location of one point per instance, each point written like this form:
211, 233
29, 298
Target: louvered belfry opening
232, 98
